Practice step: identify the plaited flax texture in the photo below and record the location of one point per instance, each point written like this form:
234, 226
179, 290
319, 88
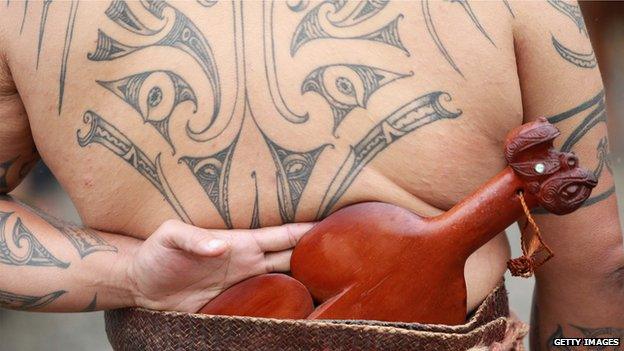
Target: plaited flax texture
141, 329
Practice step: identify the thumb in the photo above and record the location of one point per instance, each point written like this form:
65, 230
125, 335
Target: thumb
198, 241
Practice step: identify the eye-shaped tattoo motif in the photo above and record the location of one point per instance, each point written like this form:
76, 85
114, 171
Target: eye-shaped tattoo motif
346, 87
119, 13
207, 3
27, 302
35, 253
293, 173
154, 95
212, 173
408, 118
182, 35
312, 25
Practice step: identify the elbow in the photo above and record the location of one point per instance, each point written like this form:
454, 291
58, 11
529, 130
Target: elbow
614, 273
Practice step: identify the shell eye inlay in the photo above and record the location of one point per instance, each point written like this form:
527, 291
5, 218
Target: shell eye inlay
540, 168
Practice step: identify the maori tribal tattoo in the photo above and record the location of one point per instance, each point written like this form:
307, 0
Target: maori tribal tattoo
182, 35
212, 173
27, 302
22, 238
92, 305
255, 216
346, 87
508, 6
591, 113
572, 11
69, 33
85, 240
586, 332
160, 96
154, 95
436, 38
311, 27
579, 59
105, 134
42, 24
293, 173
24, 16
408, 118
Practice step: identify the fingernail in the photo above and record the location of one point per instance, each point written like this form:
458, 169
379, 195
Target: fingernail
215, 246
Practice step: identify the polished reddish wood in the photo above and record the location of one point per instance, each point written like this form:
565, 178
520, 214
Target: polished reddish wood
377, 261
268, 296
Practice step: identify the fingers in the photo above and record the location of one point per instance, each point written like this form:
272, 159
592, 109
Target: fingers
280, 238
179, 235
278, 261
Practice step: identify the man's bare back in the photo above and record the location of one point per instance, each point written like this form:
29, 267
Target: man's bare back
252, 114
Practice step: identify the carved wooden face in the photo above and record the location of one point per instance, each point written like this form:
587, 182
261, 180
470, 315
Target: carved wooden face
552, 176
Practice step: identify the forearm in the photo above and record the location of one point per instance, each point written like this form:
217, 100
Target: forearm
48, 265
580, 292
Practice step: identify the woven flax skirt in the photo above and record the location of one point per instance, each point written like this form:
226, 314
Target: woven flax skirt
489, 328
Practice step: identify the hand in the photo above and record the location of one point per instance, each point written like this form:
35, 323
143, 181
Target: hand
181, 267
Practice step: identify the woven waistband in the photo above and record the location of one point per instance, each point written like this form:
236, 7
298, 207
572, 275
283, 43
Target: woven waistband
141, 329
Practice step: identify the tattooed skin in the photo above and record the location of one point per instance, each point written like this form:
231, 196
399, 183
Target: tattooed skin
157, 95
293, 173
576, 58
255, 217
579, 59
104, 133
212, 173
426, 11
119, 13
311, 27
23, 239
408, 118
589, 114
473, 17
24, 16
69, 33
586, 332
572, 11
92, 305
508, 6
182, 35
26, 302
42, 24
346, 87
150, 93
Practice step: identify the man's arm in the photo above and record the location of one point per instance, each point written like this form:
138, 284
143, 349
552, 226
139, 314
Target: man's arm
580, 292
47, 264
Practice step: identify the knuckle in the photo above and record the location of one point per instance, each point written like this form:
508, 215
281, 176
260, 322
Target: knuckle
292, 239
169, 225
